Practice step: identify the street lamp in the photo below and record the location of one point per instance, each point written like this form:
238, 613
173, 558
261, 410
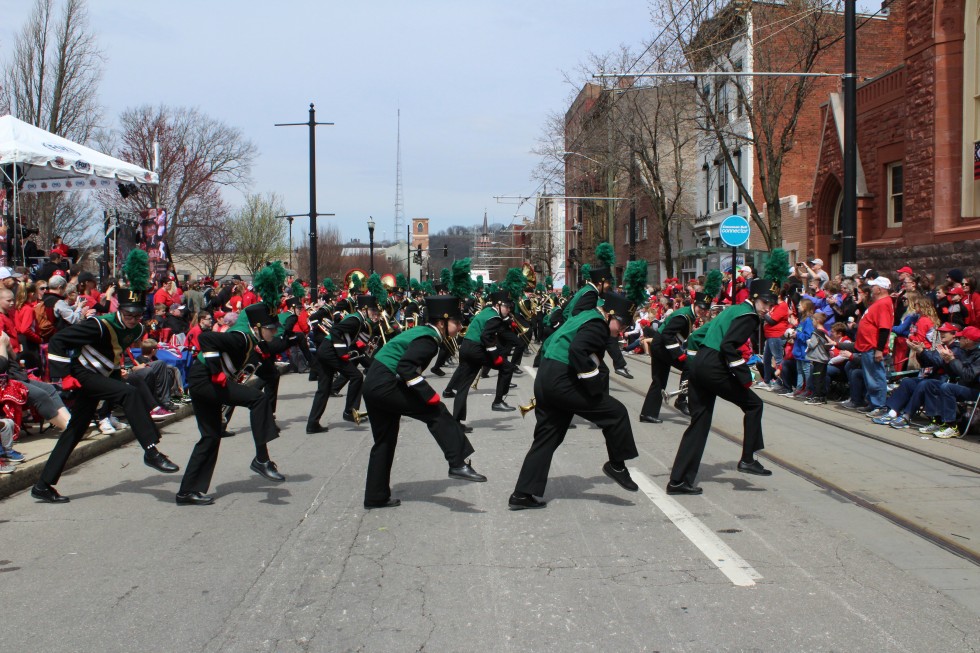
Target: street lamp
371, 245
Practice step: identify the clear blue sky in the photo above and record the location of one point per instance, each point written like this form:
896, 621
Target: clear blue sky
474, 81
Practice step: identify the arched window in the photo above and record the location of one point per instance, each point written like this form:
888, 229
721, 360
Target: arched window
419, 229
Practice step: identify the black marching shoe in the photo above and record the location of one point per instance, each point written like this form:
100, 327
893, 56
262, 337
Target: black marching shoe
466, 429
448, 394
518, 371
194, 499
44, 492
336, 394
437, 371
348, 416
621, 476
753, 467
466, 473
682, 488
267, 469
623, 372
522, 501
228, 434
501, 406
316, 428
153, 458
683, 408
650, 419
390, 503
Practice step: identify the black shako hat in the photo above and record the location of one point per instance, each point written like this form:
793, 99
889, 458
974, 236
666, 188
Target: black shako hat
501, 296
618, 306
598, 275
259, 315
702, 300
763, 289
442, 307
367, 301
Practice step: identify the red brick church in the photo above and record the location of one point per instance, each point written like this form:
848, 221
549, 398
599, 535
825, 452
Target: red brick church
918, 151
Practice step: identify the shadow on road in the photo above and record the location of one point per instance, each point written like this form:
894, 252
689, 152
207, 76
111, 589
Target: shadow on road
576, 487
428, 491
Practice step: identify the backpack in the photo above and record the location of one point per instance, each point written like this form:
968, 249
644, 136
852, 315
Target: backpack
44, 317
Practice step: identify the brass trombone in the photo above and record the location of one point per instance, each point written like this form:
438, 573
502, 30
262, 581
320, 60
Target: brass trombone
358, 416
682, 389
527, 409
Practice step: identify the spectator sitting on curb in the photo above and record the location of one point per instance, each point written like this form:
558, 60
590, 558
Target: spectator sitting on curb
910, 396
941, 401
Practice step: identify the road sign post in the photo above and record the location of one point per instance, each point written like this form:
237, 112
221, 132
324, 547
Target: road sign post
734, 232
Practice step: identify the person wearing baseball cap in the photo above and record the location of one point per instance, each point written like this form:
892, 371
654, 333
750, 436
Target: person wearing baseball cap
904, 271
871, 343
963, 368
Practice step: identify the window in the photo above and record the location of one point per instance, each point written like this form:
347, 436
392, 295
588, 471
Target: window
895, 187
419, 228
627, 232
722, 183
643, 229
739, 97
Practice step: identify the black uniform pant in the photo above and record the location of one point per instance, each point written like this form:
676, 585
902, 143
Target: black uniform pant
660, 364
471, 360
330, 367
558, 398
442, 357
387, 400
709, 379
546, 333
207, 400
96, 388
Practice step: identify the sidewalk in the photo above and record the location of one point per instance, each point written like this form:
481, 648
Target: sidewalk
37, 448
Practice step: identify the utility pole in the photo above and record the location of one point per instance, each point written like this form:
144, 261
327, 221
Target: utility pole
312, 124
849, 206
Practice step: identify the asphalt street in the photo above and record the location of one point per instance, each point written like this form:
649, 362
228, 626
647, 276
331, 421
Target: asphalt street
768, 564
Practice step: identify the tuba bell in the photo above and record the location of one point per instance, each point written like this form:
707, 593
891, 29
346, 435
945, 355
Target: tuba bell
527, 409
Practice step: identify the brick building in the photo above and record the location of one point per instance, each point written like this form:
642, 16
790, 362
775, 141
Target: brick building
756, 36
918, 125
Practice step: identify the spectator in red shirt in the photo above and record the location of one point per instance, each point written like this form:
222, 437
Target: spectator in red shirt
775, 323
30, 340
871, 344
205, 322
248, 297
166, 295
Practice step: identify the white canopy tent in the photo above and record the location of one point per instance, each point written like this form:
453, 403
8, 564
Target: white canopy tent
34, 160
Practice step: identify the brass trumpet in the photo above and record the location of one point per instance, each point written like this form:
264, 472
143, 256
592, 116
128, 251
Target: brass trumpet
358, 416
682, 389
527, 409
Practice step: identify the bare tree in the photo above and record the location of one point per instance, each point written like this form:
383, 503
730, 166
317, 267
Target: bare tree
760, 113
209, 246
257, 235
198, 155
51, 81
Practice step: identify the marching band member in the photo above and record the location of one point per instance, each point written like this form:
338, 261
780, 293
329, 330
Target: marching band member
346, 342
719, 370
86, 357
214, 383
395, 387
574, 380
667, 349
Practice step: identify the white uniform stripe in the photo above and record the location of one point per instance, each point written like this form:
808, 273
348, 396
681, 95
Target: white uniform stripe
589, 375
720, 554
740, 361
415, 381
60, 359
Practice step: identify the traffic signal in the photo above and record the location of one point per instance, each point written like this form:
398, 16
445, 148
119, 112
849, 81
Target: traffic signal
445, 251
420, 251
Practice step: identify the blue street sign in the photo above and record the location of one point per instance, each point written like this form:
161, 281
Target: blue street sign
734, 231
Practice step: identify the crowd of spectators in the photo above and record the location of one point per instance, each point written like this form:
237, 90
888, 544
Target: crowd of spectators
898, 346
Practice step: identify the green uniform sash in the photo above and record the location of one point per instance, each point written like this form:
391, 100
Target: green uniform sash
391, 354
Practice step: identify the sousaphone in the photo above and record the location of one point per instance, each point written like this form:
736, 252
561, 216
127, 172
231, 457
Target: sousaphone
349, 280
528, 271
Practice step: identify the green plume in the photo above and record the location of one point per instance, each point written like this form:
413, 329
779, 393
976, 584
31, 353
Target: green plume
428, 287
415, 285
606, 255
401, 281
478, 288
540, 287
136, 269
549, 283
566, 291
356, 282
712, 284
329, 285
584, 271
461, 284
297, 290
635, 280
445, 277
268, 285
777, 266
514, 283
492, 288
376, 288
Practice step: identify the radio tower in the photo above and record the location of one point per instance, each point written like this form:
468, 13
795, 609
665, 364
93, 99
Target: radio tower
399, 200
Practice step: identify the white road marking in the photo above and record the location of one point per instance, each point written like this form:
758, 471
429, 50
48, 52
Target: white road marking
720, 554
530, 370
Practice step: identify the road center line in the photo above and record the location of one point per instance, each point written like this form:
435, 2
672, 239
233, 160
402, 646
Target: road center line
720, 554
530, 370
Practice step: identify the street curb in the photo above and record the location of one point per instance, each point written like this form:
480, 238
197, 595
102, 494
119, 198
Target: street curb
29, 472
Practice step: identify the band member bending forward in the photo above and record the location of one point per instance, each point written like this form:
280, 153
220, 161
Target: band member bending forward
213, 380
395, 387
573, 380
719, 370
